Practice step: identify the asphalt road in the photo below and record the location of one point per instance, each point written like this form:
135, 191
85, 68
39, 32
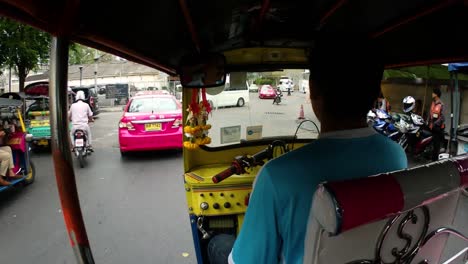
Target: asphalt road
134, 208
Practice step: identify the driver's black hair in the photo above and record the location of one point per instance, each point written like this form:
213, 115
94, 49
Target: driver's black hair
347, 73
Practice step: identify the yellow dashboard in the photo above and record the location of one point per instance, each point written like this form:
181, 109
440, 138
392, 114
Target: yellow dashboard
227, 197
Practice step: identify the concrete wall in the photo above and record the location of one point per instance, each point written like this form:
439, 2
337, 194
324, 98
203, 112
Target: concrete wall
139, 81
396, 92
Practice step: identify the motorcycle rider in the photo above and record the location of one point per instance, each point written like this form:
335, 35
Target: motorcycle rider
436, 122
408, 104
278, 96
80, 114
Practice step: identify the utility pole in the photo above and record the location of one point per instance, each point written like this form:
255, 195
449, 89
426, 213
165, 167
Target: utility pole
81, 74
9, 80
96, 58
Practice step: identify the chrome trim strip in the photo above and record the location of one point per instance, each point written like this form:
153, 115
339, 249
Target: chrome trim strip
152, 121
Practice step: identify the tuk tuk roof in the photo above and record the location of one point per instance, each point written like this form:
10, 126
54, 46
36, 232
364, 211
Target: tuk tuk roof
37, 90
159, 33
458, 67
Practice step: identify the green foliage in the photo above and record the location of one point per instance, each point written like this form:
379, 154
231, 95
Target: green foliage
263, 80
22, 47
79, 54
432, 72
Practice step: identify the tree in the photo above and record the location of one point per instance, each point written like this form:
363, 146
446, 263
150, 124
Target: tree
264, 80
22, 47
79, 54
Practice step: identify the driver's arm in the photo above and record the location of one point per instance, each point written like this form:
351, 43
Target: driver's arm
70, 114
259, 240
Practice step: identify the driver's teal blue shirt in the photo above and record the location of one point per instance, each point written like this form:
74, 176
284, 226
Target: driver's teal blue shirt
275, 224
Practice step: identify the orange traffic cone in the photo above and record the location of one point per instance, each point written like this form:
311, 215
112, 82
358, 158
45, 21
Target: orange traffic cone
301, 113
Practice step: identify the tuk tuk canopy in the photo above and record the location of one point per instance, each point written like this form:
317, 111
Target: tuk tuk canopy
458, 67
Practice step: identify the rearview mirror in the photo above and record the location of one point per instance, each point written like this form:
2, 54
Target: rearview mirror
203, 71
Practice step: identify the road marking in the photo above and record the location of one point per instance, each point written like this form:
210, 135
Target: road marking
274, 113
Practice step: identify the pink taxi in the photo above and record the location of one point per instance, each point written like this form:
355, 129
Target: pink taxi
151, 122
267, 92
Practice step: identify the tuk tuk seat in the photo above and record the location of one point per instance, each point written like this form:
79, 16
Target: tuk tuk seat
399, 217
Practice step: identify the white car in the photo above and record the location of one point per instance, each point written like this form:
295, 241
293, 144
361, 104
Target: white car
285, 83
253, 88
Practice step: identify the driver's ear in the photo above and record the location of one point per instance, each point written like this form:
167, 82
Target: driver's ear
314, 93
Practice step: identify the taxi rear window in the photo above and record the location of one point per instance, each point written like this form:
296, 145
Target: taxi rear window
152, 104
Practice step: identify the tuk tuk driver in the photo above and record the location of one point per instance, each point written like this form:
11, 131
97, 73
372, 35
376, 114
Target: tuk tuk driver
80, 114
276, 222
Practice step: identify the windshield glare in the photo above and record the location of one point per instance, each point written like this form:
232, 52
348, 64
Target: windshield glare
152, 104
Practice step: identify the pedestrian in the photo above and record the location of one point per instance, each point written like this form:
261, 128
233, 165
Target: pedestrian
436, 122
382, 103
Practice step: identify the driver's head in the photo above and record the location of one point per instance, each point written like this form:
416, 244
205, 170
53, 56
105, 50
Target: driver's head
345, 77
80, 96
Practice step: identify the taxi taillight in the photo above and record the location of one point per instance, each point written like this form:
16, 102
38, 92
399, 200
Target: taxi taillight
177, 123
127, 125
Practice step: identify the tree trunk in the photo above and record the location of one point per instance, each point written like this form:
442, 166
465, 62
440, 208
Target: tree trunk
22, 77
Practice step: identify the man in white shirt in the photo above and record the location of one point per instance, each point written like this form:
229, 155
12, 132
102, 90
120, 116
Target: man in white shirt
80, 114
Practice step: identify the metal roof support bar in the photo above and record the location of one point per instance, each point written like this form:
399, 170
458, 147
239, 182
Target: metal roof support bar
407, 20
190, 24
331, 11
64, 173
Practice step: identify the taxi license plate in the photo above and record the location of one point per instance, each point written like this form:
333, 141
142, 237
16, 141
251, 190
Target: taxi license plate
153, 127
43, 142
79, 142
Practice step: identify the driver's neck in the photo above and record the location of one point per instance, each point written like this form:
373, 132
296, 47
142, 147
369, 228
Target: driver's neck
330, 124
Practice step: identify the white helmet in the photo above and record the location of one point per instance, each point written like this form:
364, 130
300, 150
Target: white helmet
80, 96
408, 104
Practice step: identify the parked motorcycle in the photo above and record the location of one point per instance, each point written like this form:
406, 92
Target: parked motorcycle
416, 137
383, 123
80, 146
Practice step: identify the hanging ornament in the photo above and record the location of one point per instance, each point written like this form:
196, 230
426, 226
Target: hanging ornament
197, 127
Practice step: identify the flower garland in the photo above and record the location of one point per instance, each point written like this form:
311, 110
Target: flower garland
197, 127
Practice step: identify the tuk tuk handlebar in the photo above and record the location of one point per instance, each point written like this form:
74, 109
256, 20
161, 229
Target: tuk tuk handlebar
240, 163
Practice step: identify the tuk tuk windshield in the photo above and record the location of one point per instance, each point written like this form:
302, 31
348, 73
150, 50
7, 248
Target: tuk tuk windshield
252, 106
